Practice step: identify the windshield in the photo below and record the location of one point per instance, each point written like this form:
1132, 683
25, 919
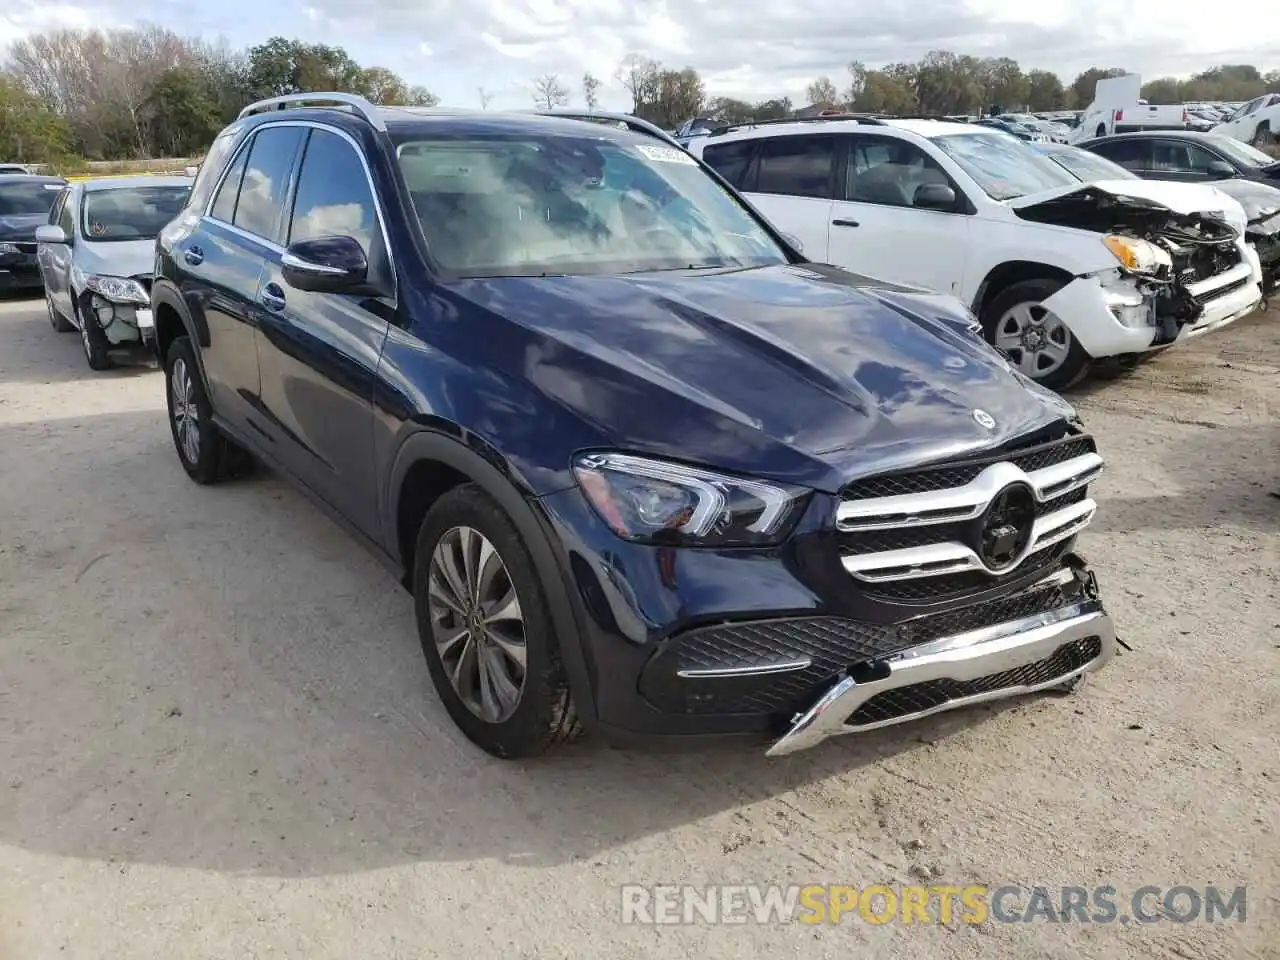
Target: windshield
131, 213
529, 206
26, 199
1003, 166
1241, 153
1088, 166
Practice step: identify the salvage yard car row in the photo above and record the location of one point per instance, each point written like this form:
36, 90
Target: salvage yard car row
646, 465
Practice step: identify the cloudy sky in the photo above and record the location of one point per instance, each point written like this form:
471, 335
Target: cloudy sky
748, 48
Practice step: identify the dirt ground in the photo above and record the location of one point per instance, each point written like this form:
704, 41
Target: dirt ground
218, 737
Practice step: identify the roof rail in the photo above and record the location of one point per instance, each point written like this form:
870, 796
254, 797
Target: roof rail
874, 120
929, 116
356, 104
628, 120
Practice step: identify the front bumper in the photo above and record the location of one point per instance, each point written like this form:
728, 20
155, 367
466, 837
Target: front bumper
993, 663
20, 271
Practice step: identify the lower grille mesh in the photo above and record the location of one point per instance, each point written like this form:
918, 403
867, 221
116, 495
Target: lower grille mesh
920, 697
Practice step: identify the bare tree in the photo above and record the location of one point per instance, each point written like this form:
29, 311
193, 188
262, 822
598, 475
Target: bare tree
640, 76
591, 92
822, 92
549, 92
486, 97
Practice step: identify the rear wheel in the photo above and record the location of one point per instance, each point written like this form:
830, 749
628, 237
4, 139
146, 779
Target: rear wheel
1263, 137
486, 629
1038, 342
1101, 131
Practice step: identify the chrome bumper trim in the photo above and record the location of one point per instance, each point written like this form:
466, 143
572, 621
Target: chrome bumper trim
965, 656
763, 670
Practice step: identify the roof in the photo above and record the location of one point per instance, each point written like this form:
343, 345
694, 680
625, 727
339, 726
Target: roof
1175, 132
28, 178
936, 128
138, 180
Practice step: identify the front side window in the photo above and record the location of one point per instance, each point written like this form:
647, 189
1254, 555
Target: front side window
266, 181
888, 171
1003, 166
133, 213
333, 198
797, 166
555, 205
28, 199
1172, 156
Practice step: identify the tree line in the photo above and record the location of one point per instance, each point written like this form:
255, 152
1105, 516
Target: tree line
126, 94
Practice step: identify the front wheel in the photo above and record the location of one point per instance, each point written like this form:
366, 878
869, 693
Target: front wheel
1036, 340
486, 629
93, 338
206, 454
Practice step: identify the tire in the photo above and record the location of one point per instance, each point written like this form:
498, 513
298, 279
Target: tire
56, 319
1005, 308
1262, 137
92, 338
542, 711
205, 453
1102, 131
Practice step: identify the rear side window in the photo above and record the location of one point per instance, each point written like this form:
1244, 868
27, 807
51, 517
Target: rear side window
797, 166
224, 205
333, 196
1130, 154
266, 181
67, 214
730, 160
56, 213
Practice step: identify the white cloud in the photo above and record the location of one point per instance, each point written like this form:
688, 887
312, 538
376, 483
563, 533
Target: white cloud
748, 48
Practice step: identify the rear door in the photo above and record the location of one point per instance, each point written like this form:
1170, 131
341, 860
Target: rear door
792, 181
1134, 155
55, 258
876, 228
223, 260
319, 352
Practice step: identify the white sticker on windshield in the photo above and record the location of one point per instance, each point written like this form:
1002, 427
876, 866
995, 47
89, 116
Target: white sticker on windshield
665, 154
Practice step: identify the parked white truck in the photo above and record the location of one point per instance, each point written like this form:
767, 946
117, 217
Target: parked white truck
1118, 107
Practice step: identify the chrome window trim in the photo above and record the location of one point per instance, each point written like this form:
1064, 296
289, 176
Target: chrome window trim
315, 125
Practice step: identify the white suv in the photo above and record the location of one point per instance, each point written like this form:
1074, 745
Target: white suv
1059, 271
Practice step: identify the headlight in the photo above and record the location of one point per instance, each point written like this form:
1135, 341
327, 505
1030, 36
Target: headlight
118, 289
1138, 256
9, 248
652, 501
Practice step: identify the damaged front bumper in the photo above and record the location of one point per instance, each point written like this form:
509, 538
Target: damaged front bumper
992, 663
126, 324
1111, 314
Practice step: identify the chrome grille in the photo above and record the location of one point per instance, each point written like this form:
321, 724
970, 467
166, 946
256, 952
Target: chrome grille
946, 521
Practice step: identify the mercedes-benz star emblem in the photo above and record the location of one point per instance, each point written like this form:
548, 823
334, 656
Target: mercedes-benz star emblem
1004, 530
984, 419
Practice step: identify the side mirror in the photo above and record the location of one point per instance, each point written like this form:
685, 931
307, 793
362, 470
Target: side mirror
325, 265
51, 233
1221, 170
934, 196
794, 241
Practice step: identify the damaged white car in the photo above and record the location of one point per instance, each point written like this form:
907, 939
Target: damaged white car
1059, 272
96, 256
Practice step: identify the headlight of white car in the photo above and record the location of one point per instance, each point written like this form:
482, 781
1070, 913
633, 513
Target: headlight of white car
1137, 256
118, 289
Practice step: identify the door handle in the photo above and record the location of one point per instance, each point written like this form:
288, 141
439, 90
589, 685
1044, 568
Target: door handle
193, 256
844, 223
272, 297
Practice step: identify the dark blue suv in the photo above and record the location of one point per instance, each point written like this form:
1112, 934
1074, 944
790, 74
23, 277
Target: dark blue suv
643, 468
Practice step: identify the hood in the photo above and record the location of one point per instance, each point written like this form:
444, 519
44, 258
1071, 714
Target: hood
116, 258
1183, 198
1260, 201
21, 226
821, 374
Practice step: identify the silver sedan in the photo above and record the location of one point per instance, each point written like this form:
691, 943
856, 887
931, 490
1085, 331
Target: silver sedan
96, 256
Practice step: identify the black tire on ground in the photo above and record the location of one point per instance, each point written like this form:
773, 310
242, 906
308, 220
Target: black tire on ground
92, 338
212, 457
1102, 131
1076, 365
1263, 136
544, 714
56, 319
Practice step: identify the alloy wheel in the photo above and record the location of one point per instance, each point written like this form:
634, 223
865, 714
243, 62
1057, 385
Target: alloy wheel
1035, 339
477, 623
186, 418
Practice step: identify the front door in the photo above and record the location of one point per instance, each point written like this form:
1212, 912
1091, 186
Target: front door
319, 352
791, 183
